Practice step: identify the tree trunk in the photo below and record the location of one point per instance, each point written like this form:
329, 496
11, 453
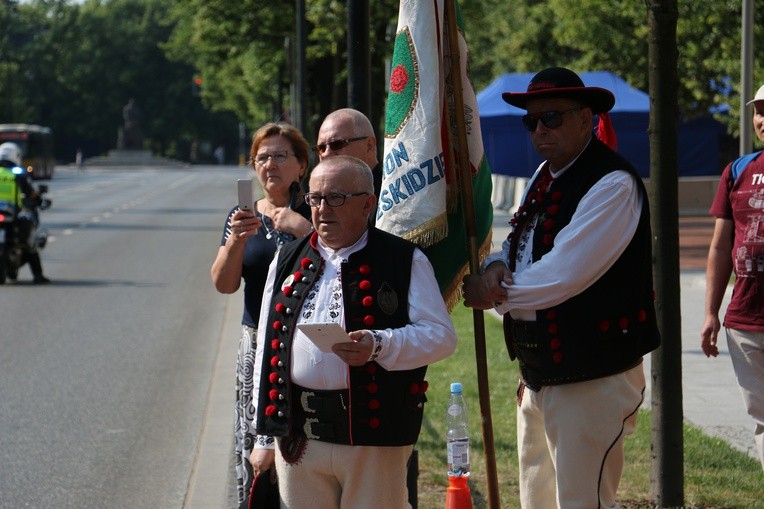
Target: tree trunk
667, 476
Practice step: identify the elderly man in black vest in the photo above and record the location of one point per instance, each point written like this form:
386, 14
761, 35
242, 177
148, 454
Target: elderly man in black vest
574, 283
345, 419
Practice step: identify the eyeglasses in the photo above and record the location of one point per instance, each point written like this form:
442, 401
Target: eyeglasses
331, 199
550, 119
277, 157
336, 145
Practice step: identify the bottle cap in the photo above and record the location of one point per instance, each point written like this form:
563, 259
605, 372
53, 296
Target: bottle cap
456, 387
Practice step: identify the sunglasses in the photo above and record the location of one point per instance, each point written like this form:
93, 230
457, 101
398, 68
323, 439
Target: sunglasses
336, 145
550, 119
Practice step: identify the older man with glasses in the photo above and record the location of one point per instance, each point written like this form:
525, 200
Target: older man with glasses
574, 283
349, 132
345, 421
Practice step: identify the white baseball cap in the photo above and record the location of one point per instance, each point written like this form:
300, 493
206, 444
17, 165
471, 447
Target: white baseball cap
758, 97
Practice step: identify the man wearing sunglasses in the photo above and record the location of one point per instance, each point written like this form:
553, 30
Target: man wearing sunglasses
345, 419
574, 283
349, 132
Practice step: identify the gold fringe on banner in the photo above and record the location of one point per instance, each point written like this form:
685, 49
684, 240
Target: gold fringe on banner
429, 233
453, 294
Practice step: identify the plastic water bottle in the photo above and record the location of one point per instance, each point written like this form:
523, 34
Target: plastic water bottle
457, 436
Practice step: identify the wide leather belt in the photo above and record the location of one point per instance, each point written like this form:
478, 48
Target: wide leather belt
526, 341
323, 415
525, 334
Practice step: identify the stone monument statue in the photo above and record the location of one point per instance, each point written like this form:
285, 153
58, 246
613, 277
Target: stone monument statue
130, 136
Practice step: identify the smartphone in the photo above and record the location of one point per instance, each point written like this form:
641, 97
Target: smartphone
246, 198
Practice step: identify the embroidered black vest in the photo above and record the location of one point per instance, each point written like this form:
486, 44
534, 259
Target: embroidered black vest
607, 328
385, 407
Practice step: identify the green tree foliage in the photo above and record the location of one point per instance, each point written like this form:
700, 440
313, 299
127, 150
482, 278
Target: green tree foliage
75, 66
245, 50
15, 48
237, 48
527, 35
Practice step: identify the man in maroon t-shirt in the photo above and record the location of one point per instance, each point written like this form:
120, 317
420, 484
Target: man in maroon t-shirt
738, 244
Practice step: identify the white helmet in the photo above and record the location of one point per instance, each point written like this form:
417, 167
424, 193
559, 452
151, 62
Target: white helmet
10, 152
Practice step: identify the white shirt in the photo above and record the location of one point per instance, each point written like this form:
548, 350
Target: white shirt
598, 233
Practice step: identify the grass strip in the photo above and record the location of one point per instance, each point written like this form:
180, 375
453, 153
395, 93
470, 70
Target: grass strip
717, 476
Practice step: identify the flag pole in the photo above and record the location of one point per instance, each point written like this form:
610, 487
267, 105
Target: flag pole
465, 188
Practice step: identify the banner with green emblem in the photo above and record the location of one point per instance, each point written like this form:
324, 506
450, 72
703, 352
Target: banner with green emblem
419, 199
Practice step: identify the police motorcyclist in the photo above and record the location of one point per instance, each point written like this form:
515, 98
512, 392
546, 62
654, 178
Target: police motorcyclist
16, 188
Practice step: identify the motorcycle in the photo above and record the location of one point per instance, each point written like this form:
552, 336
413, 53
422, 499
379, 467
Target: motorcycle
19, 234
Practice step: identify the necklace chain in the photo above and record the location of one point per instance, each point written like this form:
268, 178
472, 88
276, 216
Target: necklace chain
281, 237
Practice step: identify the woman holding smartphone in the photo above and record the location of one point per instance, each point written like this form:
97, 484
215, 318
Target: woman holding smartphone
279, 155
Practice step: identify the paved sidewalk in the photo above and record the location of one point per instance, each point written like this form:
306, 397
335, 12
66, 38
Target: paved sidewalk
710, 394
210, 486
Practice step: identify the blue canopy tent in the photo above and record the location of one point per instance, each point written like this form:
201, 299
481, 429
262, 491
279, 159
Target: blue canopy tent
510, 152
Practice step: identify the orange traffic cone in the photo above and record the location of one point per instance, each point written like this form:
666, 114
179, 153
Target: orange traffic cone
458, 494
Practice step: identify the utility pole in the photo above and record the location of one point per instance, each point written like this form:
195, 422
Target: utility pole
746, 77
359, 56
300, 78
667, 473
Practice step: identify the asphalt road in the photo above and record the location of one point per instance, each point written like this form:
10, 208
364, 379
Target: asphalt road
106, 374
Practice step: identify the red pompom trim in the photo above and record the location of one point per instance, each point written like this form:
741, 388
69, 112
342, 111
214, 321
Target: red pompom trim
606, 132
557, 357
305, 263
374, 423
372, 388
368, 320
374, 404
368, 301
273, 394
270, 410
365, 285
273, 378
365, 270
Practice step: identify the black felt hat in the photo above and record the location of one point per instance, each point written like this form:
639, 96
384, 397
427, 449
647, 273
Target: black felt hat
562, 82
